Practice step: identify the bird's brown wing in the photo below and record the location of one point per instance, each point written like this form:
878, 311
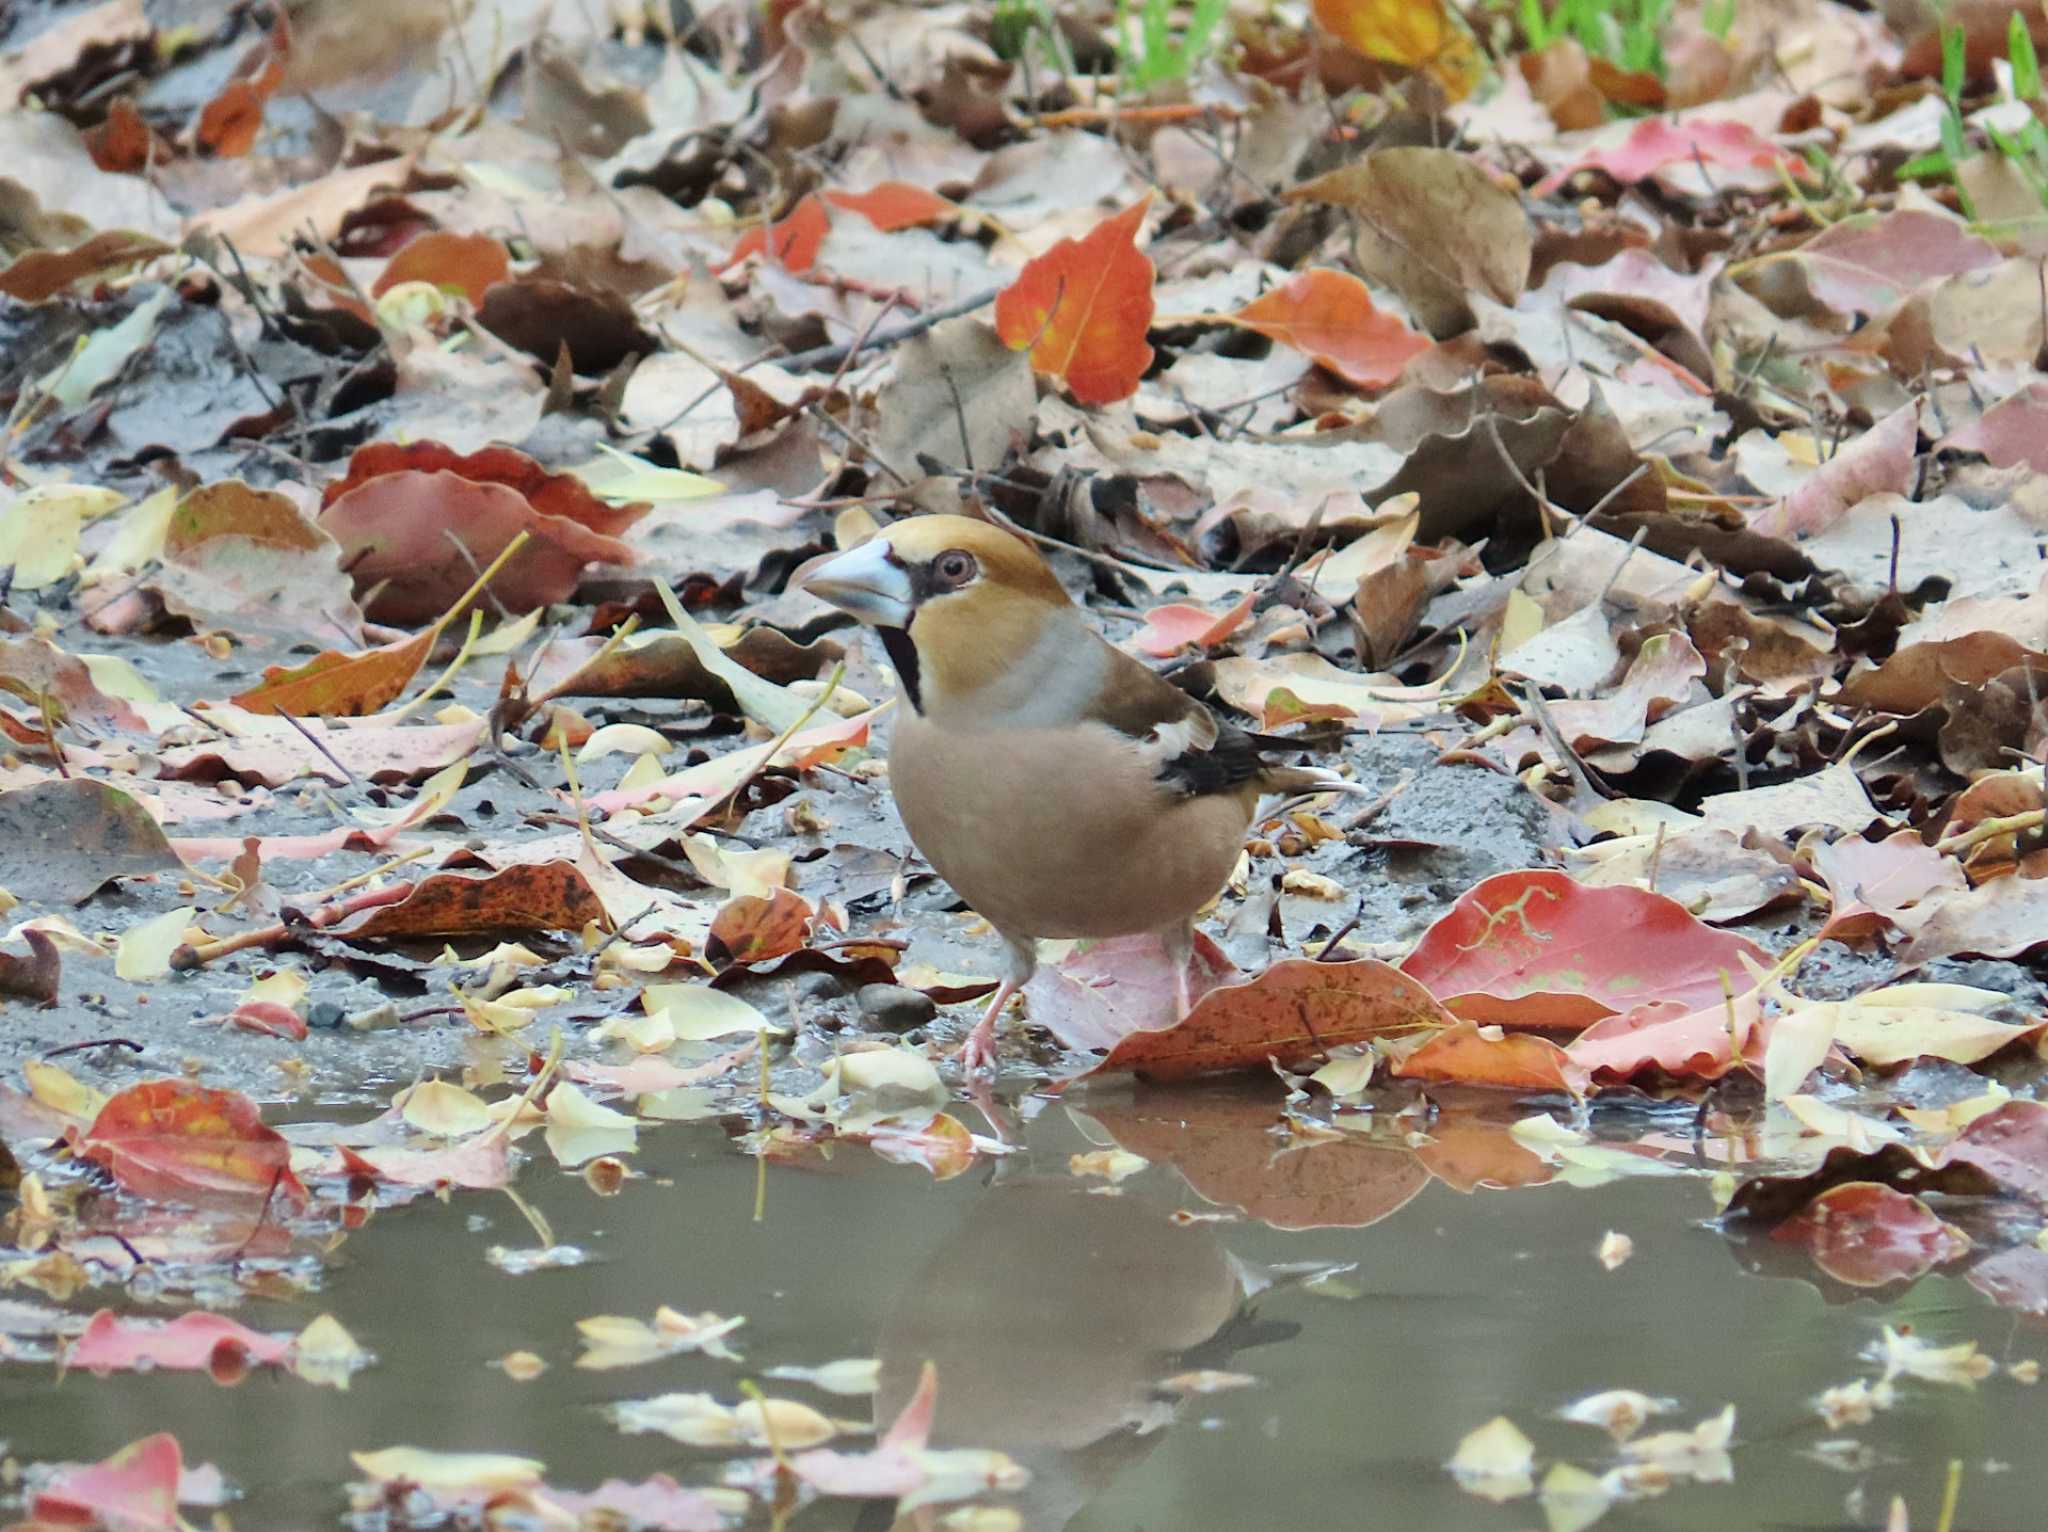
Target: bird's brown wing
1197, 753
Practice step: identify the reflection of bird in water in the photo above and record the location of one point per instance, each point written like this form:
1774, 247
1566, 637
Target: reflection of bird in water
1051, 1316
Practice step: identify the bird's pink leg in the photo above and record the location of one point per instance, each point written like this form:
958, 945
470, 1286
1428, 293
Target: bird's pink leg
1179, 942
979, 1051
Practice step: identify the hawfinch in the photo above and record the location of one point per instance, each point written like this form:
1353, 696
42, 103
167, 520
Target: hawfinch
1059, 786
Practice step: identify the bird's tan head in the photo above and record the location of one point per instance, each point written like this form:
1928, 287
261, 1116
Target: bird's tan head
953, 599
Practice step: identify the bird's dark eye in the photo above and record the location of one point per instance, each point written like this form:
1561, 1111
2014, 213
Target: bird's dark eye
953, 569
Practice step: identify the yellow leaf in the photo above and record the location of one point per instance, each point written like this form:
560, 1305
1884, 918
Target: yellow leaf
1414, 34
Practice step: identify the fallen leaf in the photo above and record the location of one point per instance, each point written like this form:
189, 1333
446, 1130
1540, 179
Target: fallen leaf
1082, 309
1296, 1009
1539, 949
1329, 317
1868, 1235
170, 1140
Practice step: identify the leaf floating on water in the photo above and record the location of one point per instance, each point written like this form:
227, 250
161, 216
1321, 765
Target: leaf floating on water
1495, 1461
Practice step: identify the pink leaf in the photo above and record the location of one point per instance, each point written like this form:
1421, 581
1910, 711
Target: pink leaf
135, 1490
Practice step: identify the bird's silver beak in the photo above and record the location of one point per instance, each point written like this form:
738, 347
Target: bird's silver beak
864, 582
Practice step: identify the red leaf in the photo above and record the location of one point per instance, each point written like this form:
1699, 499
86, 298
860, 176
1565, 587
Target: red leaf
1866, 1234
1539, 949
1083, 308
550, 493
1666, 1035
400, 530
2010, 1145
135, 1490
170, 1140
1329, 317
269, 1017
189, 1343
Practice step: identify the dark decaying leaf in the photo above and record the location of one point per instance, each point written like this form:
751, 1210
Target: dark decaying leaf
62, 841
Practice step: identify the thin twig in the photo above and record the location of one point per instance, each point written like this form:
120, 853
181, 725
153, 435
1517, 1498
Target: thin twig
314, 740
832, 356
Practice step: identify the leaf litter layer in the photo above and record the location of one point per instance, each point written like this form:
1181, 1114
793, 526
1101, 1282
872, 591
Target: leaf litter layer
1607, 435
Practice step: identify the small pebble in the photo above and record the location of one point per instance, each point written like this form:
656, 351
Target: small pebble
893, 1008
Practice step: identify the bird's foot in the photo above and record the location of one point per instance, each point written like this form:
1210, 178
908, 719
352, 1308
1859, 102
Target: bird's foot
978, 1053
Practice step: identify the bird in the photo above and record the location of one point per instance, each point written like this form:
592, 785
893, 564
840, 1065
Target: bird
1060, 786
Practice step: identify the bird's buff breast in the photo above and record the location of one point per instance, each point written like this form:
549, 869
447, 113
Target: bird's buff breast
1060, 833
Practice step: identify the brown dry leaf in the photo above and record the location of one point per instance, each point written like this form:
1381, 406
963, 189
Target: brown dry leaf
1433, 225
959, 398
547, 896
253, 562
266, 226
1295, 1010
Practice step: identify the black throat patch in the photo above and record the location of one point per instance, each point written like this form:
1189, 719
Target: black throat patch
903, 655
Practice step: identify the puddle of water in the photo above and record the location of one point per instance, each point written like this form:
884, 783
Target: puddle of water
1052, 1310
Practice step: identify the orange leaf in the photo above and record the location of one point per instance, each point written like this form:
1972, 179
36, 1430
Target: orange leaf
1329, 317
1465, 1055
1414, 34
39, 274
894, 205
337, 685
526, 896
123, 143
467, 262
229, 123
753, 929
794, 241
1297, 1009
1222, 1142
174, 1141
1083, 308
